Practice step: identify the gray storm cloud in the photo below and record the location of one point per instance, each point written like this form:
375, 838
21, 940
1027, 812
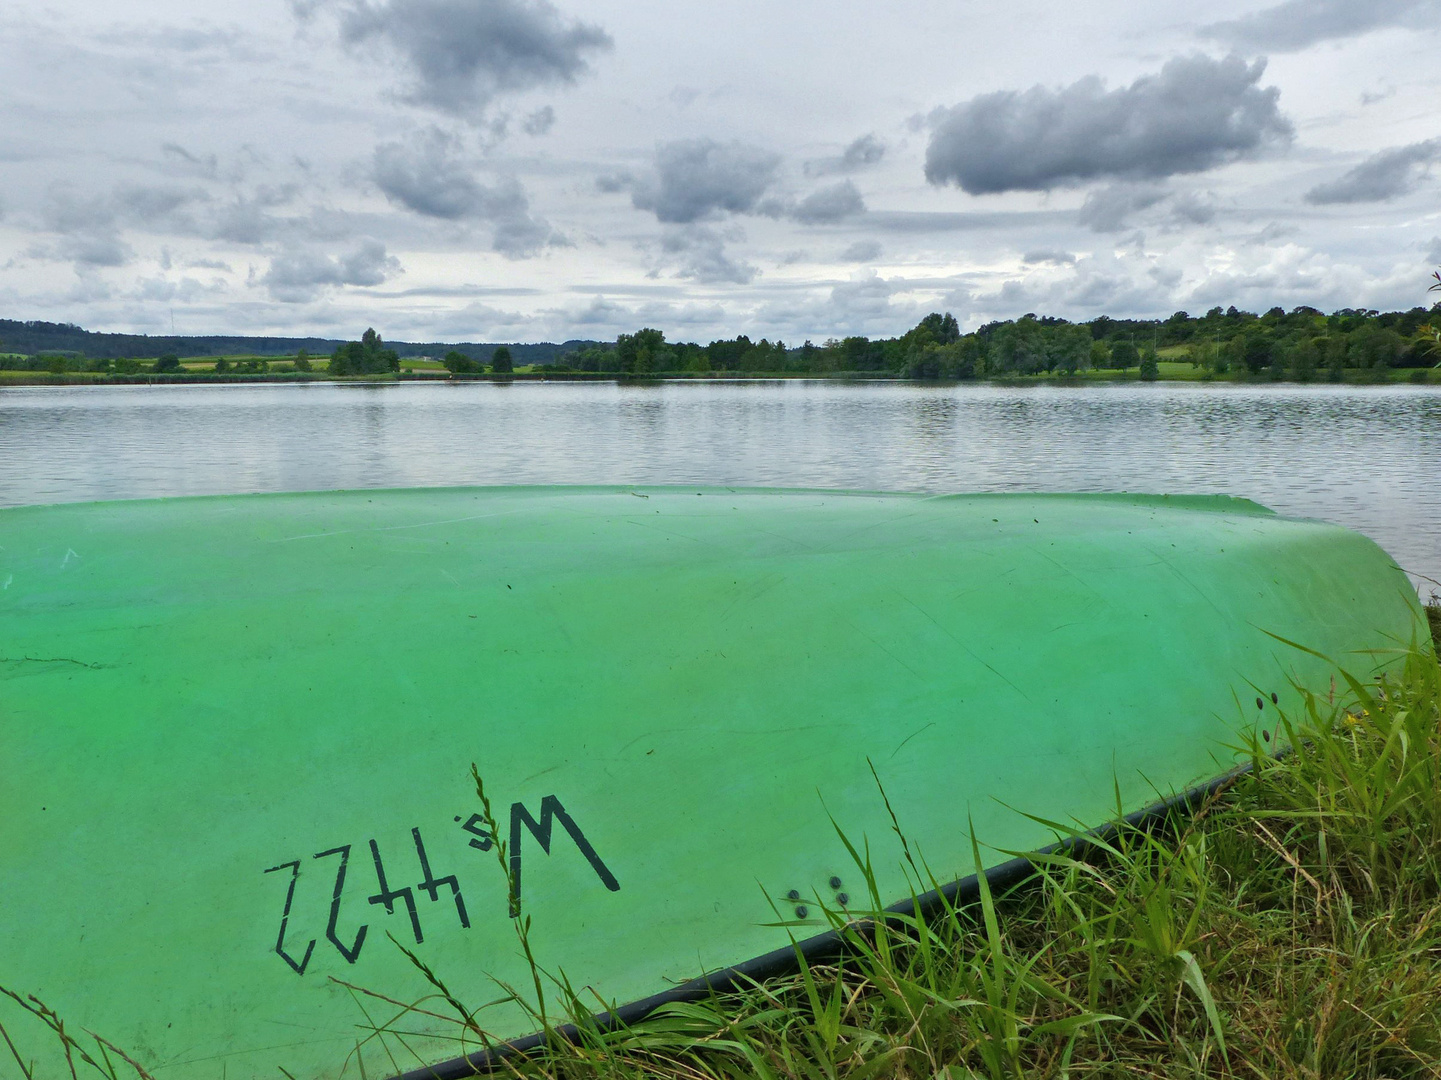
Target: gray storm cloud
829, 205
1194, 208
66, 212
246, 221
862, 152
430, 177
1058, 258
862, 251
153, 204
1385, 175
702, 256
1195, 114
95, 249
203, 165
540, 121
1299, 24
462, 54
695, 178
87, 228
1107, 209
299, 275
867, 150
90, 227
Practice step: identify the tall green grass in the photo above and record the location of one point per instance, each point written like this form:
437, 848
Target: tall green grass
1288, 927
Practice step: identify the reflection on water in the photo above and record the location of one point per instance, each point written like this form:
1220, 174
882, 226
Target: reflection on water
1365, 457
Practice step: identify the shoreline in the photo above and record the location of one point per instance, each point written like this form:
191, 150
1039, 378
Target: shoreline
1361, 379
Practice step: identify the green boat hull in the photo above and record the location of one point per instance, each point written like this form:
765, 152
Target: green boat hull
237, 732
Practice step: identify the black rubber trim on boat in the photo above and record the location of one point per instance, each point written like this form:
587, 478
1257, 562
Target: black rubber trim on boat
821, 947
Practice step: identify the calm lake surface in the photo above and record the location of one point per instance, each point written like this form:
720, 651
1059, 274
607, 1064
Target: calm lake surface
1369, 458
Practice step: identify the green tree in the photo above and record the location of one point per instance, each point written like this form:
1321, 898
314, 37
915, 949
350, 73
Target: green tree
1178, 328
302, 361
1256, 349
1021, 347
1150, 365
968, 358
1124, 355
500, 361
1069, 349
222, 366
1336, 357
1376, 348
368, 356
457, 363
943, 329
856, 353
169, 362
1303, 359
725, 355
925, 362
645, 352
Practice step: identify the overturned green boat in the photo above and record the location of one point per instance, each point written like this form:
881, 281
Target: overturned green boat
237, 735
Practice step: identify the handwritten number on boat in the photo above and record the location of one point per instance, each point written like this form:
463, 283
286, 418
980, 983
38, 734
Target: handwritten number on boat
389, 896
432, 884
541, 829
352, 953
551, 811
294, 867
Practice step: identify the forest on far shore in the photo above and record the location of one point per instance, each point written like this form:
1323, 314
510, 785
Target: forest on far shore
1300, 345
1303, 345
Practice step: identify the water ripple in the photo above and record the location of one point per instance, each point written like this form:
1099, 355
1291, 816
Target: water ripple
1369, 458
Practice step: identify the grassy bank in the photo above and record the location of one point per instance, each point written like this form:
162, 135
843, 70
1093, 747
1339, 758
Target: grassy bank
204, 372
1291, 927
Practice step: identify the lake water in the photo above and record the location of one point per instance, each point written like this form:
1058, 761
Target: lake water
1369, 458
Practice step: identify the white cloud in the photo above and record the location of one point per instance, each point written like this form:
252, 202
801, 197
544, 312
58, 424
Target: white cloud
299, 275
1381, 177
1193, 115
293, 161
461, 55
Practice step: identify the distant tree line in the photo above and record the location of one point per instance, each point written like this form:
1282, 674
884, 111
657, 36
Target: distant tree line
1303, 345
36, 337
368, 356
459, 363
39, 338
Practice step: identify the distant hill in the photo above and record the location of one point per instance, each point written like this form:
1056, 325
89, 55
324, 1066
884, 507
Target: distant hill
32, 338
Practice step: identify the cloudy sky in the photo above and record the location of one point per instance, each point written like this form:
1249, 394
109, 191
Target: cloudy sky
512, 170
